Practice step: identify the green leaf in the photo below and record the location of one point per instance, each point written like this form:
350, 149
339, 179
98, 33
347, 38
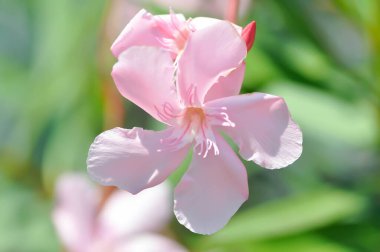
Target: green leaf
305, 242
325, 116
259, 69
309, 243
68, 145
25, 220
291, 215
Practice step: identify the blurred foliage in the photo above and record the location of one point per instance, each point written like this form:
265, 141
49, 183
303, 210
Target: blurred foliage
322, 56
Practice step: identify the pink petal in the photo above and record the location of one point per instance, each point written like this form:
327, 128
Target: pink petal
211, 191
204, 22
144, 76
167, 17
227, 86
264, 131
131, 160
75, 211
249, 34
149, 243
140, 30
210, 53
125, 214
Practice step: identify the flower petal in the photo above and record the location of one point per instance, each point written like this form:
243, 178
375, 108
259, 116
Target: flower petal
125, 214
203, 22
264, 129
249, 33
75, 211
227, 86
168, 17
211, 191
140, 30
210, 53
131, 160
144, 76
149, 243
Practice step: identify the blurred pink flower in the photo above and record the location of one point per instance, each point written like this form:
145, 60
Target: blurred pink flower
195, 100
121, 225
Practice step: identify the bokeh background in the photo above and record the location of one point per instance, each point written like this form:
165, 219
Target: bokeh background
322, 56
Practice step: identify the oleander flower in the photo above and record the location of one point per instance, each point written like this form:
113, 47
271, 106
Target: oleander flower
196, 98
171, 33
122, 223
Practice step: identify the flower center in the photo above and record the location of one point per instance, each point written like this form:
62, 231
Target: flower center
194, 118
193, 125
175, 33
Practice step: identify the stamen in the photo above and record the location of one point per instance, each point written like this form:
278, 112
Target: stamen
175, 20
228, 122
161, 115
201, 151
218, 116
169, 111
192, 125
167, 114
173, 142
191, 97
175, 32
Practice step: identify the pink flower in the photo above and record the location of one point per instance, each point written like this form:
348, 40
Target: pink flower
122, 224
196, 101
169, 32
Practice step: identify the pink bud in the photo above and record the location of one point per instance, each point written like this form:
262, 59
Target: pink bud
249, 33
